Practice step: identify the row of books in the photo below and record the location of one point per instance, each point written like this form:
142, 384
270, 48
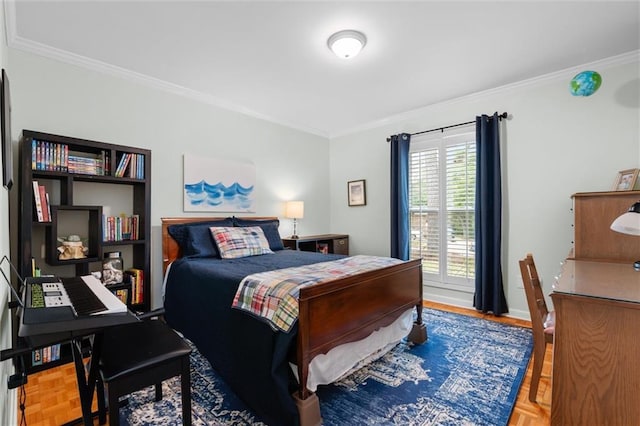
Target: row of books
97, 166
49, 156
130, 165
57, 157
136, 276
41, 202
46, 354
119, 228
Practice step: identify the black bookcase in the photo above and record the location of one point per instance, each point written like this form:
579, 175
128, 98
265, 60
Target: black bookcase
46, 159
68, 167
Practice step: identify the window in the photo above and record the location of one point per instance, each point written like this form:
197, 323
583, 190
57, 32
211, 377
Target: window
442, 186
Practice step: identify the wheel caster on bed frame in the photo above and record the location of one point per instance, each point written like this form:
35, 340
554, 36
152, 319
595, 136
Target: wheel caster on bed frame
309, 410
418, 334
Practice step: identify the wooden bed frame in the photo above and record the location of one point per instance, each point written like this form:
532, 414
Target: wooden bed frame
337, 312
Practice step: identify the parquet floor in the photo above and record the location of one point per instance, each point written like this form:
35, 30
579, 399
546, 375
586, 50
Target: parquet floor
52, 395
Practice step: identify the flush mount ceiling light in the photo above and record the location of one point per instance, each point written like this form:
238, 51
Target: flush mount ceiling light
347, 43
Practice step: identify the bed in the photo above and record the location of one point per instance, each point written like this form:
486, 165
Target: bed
252, 357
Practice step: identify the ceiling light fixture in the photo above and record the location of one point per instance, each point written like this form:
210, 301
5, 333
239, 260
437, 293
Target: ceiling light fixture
347, 43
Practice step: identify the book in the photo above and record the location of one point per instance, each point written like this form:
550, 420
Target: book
48, 206
34, 154
37, 202
43, 201
36, 357
122, 294
137, 285
65, 158
122, 166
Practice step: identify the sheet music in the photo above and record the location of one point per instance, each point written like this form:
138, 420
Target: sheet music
110, 300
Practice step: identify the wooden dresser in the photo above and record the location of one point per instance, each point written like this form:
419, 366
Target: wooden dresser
596, 354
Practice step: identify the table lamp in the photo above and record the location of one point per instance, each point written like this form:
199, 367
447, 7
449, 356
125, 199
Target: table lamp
629, 223
294, 210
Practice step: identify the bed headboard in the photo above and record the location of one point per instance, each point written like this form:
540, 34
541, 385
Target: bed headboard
170, 248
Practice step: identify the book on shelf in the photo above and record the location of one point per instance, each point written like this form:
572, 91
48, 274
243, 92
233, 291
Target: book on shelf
48, 204
122, 165
43, 200
48, 156
56, 157
122, 294
45, 355
37, 202
136, 168
36, 357
120, 228
130, 165
137, 285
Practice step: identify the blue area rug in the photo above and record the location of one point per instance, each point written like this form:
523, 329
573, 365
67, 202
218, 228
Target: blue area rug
468, 373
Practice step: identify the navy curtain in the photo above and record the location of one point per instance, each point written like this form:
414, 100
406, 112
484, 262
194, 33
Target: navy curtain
400, 227
489, 291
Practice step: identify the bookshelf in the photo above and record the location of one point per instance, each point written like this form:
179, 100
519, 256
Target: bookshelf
325, 243
82, 195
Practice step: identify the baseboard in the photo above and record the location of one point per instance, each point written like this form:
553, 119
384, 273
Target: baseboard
468, 304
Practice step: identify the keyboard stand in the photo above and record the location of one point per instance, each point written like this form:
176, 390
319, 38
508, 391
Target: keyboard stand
74, 330
87, 381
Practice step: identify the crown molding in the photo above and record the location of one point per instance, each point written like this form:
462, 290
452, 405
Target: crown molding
622, 59
16, 42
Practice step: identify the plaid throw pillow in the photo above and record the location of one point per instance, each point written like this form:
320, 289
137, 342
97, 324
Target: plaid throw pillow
234, 242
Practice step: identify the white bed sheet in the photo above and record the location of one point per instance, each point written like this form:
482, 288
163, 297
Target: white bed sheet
344, 359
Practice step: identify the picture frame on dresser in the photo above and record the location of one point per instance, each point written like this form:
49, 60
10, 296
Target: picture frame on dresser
356, 193
626, 180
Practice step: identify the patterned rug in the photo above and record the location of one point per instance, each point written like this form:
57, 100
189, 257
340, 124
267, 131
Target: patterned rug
468, 373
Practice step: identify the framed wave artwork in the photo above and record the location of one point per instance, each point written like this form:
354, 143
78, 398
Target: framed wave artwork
219, 185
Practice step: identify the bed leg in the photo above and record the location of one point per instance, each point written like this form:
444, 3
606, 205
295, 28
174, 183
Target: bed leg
418, 334
308, 410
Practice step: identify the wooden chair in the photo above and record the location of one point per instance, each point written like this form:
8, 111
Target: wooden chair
542, 321
138, 355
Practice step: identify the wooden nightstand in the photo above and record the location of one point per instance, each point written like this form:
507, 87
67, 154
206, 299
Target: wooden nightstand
325, 243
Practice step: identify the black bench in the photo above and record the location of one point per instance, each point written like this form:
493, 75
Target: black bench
138, 355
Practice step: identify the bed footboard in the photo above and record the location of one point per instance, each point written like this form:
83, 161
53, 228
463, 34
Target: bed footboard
350, 309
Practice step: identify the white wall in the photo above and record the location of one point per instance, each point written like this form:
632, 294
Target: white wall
553, 145
55, 97
8, 401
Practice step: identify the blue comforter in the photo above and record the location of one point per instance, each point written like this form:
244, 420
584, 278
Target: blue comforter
250, 356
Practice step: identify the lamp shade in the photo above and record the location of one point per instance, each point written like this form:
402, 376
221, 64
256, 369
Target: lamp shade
629, 222
294, 209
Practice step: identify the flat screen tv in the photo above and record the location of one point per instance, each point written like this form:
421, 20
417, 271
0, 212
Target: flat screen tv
5, 122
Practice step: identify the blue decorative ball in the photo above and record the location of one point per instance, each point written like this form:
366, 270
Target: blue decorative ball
585, 83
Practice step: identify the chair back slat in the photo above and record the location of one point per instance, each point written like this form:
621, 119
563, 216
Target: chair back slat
535, 297
538, 311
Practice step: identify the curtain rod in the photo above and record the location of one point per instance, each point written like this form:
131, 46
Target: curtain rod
500, 116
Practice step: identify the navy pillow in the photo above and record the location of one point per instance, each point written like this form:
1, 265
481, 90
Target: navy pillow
269, 227
195, 239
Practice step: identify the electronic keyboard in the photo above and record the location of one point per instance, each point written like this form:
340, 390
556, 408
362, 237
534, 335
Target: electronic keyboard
49, 301
72, 292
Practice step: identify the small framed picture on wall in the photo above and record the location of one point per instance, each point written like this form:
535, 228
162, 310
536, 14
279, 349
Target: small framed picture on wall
626, 180
356, 193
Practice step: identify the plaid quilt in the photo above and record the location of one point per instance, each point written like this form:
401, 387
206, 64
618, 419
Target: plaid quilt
273, 295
